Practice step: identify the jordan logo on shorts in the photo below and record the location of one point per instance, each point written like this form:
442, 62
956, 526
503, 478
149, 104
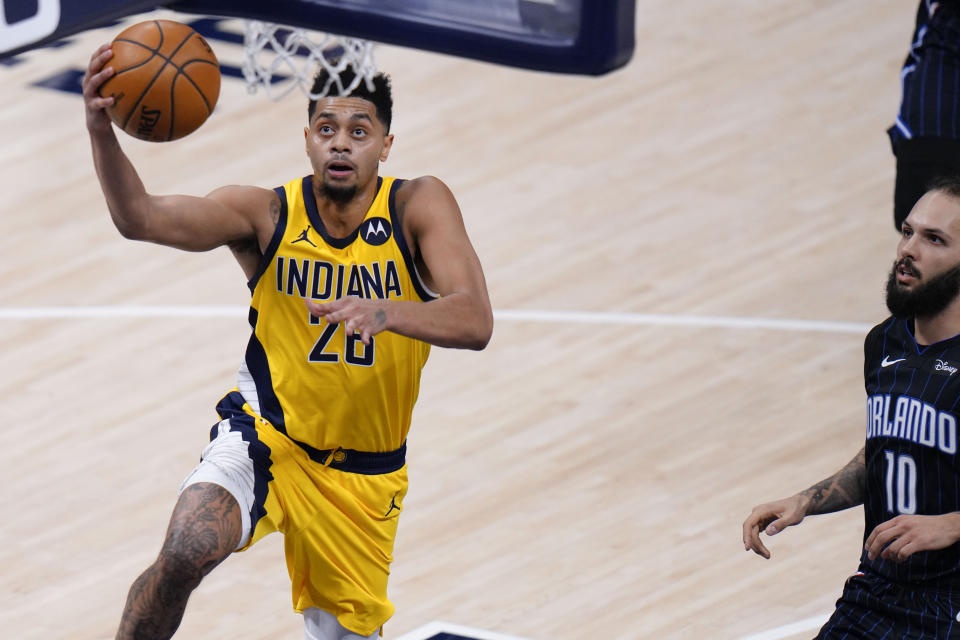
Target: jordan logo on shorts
393, 505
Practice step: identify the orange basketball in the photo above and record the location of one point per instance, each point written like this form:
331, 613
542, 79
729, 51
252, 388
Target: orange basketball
166, 80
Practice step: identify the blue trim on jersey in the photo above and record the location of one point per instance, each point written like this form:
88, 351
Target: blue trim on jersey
259, 367
924, 348
401, 240
230, 408
313, 214
274, 242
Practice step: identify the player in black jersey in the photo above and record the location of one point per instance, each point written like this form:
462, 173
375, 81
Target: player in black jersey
926, 134
907, 475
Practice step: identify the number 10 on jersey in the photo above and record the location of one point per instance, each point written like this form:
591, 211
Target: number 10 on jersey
901, 483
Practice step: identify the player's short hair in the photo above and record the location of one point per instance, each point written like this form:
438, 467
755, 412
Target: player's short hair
948, 183
380, 96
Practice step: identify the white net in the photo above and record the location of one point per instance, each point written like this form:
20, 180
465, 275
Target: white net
280, 59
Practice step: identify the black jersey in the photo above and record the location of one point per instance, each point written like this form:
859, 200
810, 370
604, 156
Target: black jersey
930, 77
911, 443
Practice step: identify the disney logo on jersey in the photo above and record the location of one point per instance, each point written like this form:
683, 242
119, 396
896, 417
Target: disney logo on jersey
943, 365
375, 231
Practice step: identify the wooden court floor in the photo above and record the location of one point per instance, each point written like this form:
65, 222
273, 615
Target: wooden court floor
660, 245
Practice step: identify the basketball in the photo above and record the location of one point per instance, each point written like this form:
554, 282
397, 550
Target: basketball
166, 80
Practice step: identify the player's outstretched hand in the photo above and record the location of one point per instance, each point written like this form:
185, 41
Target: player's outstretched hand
96, 75
772, 518
365, 317
899, 538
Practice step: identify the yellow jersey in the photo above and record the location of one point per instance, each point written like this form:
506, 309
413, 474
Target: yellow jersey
320, 387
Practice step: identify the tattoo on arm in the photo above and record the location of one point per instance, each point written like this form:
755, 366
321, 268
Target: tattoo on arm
275, 209
401, 209
844, 489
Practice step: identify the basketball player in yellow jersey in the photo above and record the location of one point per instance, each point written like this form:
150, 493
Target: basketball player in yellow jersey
353, 276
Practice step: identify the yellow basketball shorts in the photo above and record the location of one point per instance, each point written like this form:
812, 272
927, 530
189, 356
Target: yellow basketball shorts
338, 511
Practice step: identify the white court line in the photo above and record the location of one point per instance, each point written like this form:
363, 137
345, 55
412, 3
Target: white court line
508, 315
433, 628
787, 630
121, 311
653, 319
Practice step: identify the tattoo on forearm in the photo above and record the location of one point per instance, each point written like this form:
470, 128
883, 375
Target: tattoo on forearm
842, 490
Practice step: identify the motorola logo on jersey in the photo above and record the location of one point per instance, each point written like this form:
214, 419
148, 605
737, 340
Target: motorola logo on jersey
912, 420
375, 231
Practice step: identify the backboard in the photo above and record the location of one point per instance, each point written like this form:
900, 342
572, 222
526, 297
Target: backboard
589, 37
